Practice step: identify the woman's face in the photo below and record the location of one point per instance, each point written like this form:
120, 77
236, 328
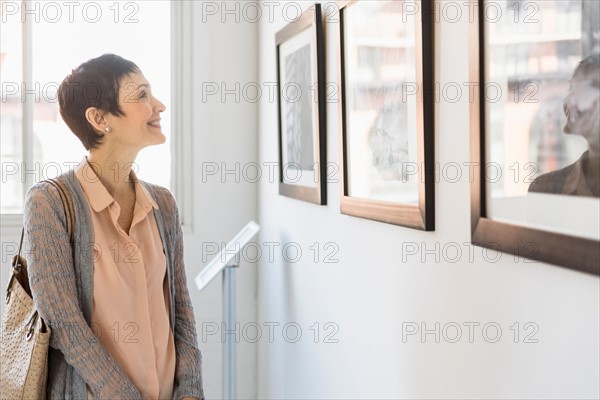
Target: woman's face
140, 126
581, 109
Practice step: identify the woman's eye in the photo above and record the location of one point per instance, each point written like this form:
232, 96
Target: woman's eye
143, 94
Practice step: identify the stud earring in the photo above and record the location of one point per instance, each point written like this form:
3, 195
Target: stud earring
107, 129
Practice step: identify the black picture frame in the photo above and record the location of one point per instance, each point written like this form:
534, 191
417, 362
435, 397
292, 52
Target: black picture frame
317, 191
421, 215
555, 248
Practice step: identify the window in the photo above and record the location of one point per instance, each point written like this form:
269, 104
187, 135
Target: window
41, 43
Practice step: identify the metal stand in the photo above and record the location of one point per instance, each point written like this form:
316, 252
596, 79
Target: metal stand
225, 262
229, 345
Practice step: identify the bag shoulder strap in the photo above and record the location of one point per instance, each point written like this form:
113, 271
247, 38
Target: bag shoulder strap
65, 196
67, 201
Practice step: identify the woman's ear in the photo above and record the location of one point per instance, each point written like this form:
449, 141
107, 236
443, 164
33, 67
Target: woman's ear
97, 119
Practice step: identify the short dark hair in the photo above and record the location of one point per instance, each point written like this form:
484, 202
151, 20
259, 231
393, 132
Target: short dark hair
589, 67
95, 83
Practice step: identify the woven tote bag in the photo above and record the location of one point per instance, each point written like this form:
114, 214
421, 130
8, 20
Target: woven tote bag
25, 335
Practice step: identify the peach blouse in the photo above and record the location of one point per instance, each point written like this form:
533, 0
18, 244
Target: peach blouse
130, 314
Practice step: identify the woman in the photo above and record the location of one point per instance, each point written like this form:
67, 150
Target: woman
581, 106
117, 300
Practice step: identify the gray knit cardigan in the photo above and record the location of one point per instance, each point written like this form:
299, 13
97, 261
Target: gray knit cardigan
61, 280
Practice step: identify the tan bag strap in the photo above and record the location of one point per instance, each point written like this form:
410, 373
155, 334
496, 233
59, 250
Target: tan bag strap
69, 213
17, 260
65, 196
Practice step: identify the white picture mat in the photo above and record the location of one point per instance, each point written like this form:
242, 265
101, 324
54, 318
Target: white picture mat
548, 212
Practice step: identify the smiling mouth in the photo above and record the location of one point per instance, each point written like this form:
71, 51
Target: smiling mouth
154, 124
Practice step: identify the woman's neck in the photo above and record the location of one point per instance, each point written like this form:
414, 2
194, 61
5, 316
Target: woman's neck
113, 171
591, 169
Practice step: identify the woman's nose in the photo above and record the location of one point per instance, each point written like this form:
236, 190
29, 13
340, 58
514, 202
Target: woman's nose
568, 101
159, 107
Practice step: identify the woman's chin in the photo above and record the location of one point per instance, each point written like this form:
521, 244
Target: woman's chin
158, 138
155, 142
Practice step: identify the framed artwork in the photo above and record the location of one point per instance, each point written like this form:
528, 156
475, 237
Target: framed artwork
386, 111
301, 108
535, 132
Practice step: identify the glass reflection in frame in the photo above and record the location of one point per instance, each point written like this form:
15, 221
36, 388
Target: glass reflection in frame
580, 105
542, 121
381, 115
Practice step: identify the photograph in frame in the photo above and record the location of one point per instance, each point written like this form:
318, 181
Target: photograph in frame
386, 111
301, 108
536, 131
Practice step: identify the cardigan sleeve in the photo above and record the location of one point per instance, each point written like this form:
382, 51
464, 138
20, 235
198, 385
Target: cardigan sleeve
188, 366
53, 285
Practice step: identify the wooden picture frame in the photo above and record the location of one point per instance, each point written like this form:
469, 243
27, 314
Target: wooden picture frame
419, 212
301, 108
566, 250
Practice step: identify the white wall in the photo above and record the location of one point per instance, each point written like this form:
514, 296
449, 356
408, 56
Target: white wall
224, 133
370, 292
